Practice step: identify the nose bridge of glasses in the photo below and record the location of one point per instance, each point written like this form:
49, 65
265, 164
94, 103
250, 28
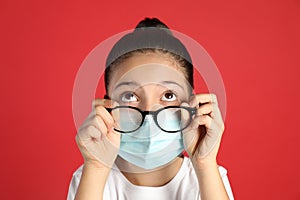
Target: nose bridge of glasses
149, 116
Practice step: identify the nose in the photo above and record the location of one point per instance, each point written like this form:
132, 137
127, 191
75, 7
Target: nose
151, 106
151, 99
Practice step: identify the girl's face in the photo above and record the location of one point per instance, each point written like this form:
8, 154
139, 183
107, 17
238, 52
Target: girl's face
148, 81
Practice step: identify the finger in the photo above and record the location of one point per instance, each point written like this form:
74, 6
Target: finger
114, 136
194, 124
205, 98
105, 116
97, 123
206, 109
95, 119
115, 115
101, 127
213, 127
89, 133
107, 103
205, 120
217, 113
193, 102
210, 123
209, 142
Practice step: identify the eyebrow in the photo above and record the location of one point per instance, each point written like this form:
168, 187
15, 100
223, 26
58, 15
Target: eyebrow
126, 83
133, 83
173, 83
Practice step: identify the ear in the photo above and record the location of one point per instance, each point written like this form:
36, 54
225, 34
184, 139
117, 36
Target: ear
106, 96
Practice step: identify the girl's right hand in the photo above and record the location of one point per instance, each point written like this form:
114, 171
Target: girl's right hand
97, 141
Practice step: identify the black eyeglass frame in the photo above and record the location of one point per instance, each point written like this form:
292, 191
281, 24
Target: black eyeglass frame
192, 111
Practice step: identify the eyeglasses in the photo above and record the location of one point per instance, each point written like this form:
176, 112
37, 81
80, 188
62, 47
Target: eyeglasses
170, 119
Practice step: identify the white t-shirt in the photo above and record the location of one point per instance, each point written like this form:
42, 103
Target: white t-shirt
184, 186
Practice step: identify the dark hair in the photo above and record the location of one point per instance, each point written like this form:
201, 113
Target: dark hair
150, 36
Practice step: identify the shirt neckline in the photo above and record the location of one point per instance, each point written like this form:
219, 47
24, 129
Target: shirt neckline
175, 180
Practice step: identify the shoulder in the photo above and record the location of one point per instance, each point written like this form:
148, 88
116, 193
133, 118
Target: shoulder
223, 174
74, 183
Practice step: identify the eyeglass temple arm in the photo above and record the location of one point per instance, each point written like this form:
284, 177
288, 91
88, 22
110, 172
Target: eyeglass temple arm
109, 109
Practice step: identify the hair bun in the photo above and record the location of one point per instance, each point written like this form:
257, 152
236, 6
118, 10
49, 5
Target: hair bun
152, 23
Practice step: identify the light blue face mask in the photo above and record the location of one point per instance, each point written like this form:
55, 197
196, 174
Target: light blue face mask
149, 147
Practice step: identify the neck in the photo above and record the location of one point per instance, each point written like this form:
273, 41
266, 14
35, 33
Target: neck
153, 178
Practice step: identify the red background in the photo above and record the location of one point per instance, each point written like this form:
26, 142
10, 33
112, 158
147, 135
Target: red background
255, 45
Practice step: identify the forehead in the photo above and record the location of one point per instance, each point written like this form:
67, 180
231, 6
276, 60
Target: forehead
148, 68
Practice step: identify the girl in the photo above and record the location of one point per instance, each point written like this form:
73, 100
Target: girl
133, 140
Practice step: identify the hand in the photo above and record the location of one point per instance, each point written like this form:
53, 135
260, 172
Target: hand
98, 142
202, 138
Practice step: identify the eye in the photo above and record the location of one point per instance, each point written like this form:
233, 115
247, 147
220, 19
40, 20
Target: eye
129, 97
169, 96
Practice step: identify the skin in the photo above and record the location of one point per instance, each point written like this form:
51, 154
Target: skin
150, 93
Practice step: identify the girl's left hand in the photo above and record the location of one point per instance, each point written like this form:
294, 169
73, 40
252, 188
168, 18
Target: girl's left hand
203, 136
